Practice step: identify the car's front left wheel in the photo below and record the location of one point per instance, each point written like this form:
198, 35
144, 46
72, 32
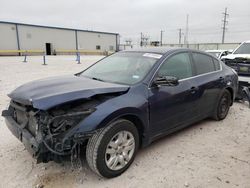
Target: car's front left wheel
112, 150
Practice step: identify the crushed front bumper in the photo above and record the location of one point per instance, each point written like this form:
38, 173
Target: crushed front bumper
36, 145
32, 145
22, 134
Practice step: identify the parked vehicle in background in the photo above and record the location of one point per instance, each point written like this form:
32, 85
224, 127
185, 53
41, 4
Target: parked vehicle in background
121, 103
218, 53
239, 60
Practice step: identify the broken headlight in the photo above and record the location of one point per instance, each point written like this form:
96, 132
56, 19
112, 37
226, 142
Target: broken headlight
62, 123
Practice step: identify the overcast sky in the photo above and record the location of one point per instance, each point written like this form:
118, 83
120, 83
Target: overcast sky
130, 17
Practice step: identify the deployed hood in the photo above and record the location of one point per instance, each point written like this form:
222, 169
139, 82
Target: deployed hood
46, 93
233, 56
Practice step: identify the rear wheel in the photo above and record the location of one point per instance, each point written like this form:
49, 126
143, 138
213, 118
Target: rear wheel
112, 150
223, 106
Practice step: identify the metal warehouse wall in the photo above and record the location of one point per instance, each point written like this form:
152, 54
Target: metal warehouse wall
91, 40
8, 39
33, 37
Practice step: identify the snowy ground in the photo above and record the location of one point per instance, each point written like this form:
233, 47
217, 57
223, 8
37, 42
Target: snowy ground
207, 154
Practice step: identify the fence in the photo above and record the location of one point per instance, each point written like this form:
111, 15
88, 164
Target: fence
206, 46
20, 52
78, 53
24, 53
83, 52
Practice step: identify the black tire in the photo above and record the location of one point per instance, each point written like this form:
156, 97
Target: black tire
97, 144
223, 106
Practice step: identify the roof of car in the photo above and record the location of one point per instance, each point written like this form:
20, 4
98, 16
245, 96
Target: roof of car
216, 50
159, 50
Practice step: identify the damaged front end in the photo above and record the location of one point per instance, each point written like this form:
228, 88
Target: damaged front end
42, 132
242, 66
239, 64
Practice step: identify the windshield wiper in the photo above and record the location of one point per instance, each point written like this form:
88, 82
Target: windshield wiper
94, 78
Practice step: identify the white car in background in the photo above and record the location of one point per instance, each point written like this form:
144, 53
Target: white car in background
218, 53
239, 60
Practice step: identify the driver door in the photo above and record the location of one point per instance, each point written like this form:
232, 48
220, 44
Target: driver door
173, 106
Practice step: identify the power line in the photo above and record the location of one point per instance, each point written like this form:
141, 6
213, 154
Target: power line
225, 22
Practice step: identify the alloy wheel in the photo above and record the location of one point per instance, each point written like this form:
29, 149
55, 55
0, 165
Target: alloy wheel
120, 150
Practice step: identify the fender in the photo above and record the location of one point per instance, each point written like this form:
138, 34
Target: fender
91, 123
111, 110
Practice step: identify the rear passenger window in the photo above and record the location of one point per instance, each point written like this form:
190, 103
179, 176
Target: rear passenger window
203, 63
178, 65
216, 64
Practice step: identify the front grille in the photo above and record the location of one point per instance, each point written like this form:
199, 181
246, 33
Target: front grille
242, 66
23, 117
32, 125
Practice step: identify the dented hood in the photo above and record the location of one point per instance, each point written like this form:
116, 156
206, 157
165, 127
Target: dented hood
46, 93
233, 56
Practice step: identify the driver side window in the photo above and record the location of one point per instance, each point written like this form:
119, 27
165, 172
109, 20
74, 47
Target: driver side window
178, 65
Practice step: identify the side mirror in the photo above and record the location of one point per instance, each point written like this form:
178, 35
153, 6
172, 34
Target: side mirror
166, 81
223, 54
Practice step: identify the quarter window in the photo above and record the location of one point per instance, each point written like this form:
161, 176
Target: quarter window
178, 66
216, 64
203, 63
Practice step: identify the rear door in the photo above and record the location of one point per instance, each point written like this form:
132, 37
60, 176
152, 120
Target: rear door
173, 106
209, 79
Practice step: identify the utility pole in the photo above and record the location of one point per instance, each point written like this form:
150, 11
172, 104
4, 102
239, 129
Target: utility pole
144, 40
225, 22
180, 33
161, 37
128, 42
141, 40
186, 34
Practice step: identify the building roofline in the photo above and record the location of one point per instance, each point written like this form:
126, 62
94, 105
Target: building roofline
63, 28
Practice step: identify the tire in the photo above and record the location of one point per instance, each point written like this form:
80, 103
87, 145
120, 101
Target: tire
223, 106
105, 147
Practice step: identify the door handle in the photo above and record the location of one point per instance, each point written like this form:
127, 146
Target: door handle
193, 90
221, 78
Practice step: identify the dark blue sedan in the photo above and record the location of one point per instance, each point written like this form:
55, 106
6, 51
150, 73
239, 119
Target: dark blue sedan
121, 103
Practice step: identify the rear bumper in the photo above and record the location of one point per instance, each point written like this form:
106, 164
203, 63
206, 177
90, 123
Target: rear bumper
23, 135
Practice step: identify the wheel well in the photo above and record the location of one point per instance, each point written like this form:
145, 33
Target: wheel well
138, 123
232, 94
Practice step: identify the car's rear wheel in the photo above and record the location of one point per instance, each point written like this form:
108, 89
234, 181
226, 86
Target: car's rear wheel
112, 150
223, 106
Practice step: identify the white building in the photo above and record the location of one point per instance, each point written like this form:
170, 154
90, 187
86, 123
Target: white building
19, 36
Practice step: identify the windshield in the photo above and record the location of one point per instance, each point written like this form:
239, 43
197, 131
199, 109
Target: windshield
216, 54
124, 67
243, 49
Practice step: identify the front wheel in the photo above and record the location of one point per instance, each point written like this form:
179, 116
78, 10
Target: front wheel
223, 106
112, 150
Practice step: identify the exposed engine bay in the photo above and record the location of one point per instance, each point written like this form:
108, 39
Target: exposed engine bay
49, 128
